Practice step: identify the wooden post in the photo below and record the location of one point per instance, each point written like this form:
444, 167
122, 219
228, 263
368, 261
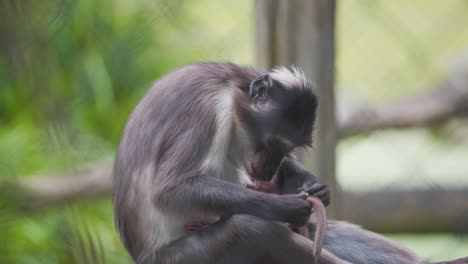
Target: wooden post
301, 32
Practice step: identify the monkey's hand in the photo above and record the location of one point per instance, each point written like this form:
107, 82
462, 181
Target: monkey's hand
295, 210
318, 190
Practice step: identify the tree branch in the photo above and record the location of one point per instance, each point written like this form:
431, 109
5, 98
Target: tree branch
389, 211
36, 192
447, 99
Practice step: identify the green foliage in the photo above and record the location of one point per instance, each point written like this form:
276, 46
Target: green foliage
70, 73
86, 70
82, 234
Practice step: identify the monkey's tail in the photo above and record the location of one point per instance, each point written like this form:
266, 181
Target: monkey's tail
320, 215
457, 261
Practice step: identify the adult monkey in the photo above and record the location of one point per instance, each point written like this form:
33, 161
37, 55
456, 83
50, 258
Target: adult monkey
183, 156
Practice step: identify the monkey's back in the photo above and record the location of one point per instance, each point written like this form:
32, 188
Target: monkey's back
165, 140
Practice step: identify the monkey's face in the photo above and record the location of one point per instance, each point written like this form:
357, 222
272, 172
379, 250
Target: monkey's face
285, 110
295, 117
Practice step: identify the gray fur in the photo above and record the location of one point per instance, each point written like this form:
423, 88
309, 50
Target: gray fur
365, 247
164, 176
182, 158
356, 245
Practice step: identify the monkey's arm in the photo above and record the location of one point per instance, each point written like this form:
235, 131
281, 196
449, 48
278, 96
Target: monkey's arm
210, 194
292, 175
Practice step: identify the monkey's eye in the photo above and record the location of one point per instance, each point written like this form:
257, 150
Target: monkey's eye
261, 93
302, 129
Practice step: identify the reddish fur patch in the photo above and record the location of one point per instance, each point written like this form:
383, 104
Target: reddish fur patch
192, 227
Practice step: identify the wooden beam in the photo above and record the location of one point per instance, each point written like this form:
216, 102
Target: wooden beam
36, 192
265, 18
301, 32
389, 211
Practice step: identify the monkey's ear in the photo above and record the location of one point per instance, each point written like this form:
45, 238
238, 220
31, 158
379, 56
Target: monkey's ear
260, 87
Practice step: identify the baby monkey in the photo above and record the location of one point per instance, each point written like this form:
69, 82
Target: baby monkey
274, 170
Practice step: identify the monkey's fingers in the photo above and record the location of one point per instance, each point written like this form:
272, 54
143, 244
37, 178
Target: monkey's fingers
311, 189
324, 196
303, 195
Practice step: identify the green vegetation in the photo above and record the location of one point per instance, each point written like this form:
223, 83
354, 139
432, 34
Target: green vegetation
71, 71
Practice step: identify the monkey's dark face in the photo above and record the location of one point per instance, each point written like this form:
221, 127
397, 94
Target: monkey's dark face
294, 117
286, 108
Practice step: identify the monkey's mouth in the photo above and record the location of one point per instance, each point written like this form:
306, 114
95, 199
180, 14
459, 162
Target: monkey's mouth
264, 165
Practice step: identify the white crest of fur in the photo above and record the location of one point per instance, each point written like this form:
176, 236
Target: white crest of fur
290, 77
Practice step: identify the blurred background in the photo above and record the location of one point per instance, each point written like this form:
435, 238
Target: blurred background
71, 71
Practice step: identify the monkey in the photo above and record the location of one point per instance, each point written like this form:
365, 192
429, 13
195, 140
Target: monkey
275, 170
182, 159
264, 170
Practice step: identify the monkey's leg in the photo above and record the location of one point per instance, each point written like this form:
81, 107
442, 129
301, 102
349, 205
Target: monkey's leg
240, 239
357, 245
